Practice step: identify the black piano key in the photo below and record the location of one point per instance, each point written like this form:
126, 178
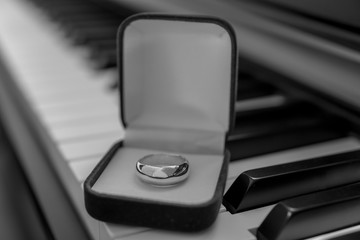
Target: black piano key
264, 186
312, 214
79, 10
104, 59
89, 24
283, 127
60, 11
70, 19
107, 22
58, 1
249, 87
67, 5
288, 114
290, 138
99, 45
45, 3
71, 26
71, 9
82, 16
85, 35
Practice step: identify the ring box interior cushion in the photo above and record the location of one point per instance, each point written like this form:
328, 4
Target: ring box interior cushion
177, 77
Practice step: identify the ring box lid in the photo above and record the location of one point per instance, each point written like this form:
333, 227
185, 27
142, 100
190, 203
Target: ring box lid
177, 76
177, 88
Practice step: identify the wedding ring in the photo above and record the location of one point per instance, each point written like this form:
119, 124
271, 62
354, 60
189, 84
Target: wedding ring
162, 169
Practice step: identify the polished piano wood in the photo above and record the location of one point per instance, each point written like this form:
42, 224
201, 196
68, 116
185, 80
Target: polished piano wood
18, 206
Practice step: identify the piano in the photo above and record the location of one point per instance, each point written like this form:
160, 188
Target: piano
298, 98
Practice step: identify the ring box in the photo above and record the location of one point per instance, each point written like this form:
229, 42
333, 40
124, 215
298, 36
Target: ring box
177, 94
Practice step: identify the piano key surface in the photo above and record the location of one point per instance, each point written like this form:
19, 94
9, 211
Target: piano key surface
81, 148
312, 214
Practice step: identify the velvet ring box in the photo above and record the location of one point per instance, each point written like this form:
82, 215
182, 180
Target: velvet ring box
177, 91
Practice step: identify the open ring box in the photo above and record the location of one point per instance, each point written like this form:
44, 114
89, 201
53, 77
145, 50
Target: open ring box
177, 92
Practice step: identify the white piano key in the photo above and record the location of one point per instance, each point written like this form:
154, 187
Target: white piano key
222, 209
66, 108
68, 102
48, 84
76, 111
80, 120
82, 168
84, 129
115, 230
74, 76
260, 103
29, 64
338, 233
67, 95
88, 147
42, 90
227, 226
111, 97
67, 84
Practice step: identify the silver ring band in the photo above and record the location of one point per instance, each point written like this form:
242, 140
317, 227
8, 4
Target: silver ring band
162, 169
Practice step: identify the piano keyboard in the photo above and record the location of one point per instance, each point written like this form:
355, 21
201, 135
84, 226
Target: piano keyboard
67, 77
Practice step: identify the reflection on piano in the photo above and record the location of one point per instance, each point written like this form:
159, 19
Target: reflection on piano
298, 98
